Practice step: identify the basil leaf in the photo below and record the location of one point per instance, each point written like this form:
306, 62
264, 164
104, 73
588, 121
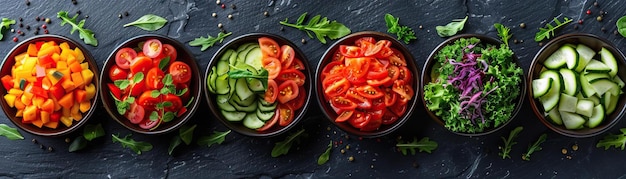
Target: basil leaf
87, 35
326, 155
5, 24
621, 26
175, 142
215, 138
128, 142
149, 22
451, 28
10, 133
78, 144
182, 92
167, 80
154, 116
164, 62
91, 131
186, 133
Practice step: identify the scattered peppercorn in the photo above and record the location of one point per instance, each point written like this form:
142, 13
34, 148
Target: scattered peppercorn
27, 2
515, 41
343, 151
230, 16
119, 16
37, 29
599, 18
564, 151
14, 39
67, 140
36, 32
266, 13
588, 11
34, 141
21, 19
126, 13
220, 25
48, 20
50, 149
372, 166
223, 6
214, 14
40, 146
540, 43
87, 16
27, 27
21, 33
21, 25
522, 25
575, 147
45, 31
521, 41
78, 12
347, 147
351, 158
421, 27
12, 30
44, 26
595, 3
303, 41
601, 12
74, 2
580, 21
37, 18
233, 6
218, 2
603, 29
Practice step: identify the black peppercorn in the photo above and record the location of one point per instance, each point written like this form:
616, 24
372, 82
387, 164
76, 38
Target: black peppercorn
27, 2
126, 13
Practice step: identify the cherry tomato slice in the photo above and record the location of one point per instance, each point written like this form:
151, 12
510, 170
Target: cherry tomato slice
287, 91
361, 102
394, 72
137, 88
176, 102
297, 64
115, 91
350, 51
187, 95
344, 116
334, 67
292, 74
299, 101
154, 79
140, 64
370, 49
152, 48
359, 42
359, 119
369, 92
136, 113
338, 57
335, 86
170, 51
399, 108
286, 115
273, 67
269, 124
180, 71
378, 104
269, 47
405, 75
271, 92
149, 124
357, 67
379, 82
377, 71
389, 117
343, 103
124, 57
147, 101
373, 124
117, 73
397, 58
404, 91
287, 55
390, 97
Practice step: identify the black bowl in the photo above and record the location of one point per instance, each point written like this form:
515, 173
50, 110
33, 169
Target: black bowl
237, 126
330, 113
427, 78
183, 54
9, 61
596, 43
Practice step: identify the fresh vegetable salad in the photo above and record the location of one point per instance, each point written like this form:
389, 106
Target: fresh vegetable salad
474, 85
260, 84
49, 84
368, 84
150, 85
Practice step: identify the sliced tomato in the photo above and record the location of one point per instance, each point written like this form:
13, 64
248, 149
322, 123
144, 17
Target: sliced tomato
379, 82
124, 57
180, 71
286, 56
397, 58
342, 103
136, 113
373, 124
287, 91
344, 116
377, 70
170, 51
182, 111
350, 51
369, 49
384, 53
390, 97
338, 57
356, 69
273, 67
176, 102
359, 42
269, 124
361, 102
271, 92
152, 48
404, 91
405, 75
293, 75
149, 124
7, 82
299, 101
117, 73
140, 64
115, 91
378, 104
359, 119
389, 117
393, 72
285, 115
335, 86
154, 79
147, 101
297, 64
369, 92
399, 108
137, 88
334, 67
269, 47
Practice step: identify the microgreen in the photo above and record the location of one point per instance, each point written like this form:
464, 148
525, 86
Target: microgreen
5, 24
87, 35
423, 145
149, 22
613, 140
10, 133
282, 147
326, 155
404, 33
216, 138
503, 33
508, 142
136, 146
451, 28
535, 147
321, 27
208, 41
546, 33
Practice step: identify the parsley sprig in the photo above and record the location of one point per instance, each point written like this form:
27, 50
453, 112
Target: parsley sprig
209, 41
321, 27
503, 33
404, 33
423, 145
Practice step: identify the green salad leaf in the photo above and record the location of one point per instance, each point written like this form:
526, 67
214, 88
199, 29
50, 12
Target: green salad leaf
613, 140
404, 33
535, 147
5, 24
503, 33
136, 146
215, 138
209, 41
10, 133
546, 33
87, 35
326, 155
423, 145
509, 142
148, 22
319, 26
451, 28
282, 147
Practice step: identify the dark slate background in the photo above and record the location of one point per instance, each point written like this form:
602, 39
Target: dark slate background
240, 156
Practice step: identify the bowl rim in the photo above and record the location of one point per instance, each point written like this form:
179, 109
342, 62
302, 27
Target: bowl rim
210, 99
92, 66
194, 66
534, 104
484, 39
411, 65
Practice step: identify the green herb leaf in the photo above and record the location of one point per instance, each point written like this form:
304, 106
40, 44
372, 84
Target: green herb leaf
78, 144
149, 22
215, 138
5, 24
167, 104
322, 28
208, 41
122, 84
423, 145
621, 26
154, 116
189, 102
128, 142
167, 80
87, 35
503, 33
451, 28
535, 147
282, 148
181, 92
164, 62
130, 100
138, 77
10, 133
508, 142
121, 106
326, 155
404, 33
613, 140
546, 33
186, 133
168, 116
155, 93
91, 131
175, 142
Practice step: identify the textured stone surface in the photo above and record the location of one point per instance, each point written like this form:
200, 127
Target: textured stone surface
240, 156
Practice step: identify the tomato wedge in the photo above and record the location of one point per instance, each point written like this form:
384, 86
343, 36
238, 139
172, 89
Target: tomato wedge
335, 86
298, 102
342, 103
404, 91
369, 92
140, 64
359, 119
361, 102
176, 103
124, 57
297, 64
389, 117
136, 113
344, 116
180, 71
269, 47
147, 101
287, 55
149, 124
285, 115
359, 42
390, 97
152, 48
117, 93
397, 58
293, 75
369, 49
271, 92
350, 51
273, 67
287, 91
117, 73
334, 67
170, 51
269, 124
154, 79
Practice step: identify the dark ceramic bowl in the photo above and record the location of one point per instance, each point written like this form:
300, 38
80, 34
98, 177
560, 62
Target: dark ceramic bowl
183, 54
328, 110
238, 126
596, 43
427, 77
9, 61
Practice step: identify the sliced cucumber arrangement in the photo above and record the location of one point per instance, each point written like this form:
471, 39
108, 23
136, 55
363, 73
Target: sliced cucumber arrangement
576, 90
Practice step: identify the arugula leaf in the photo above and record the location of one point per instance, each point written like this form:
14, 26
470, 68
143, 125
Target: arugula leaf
10, 133
175, 142
208, 41
621, 26
91, 131
237, 73
282, 148
5, 24
186, 133
215, 138
404, 33
128, 142
451, 28
326, 155
613, 140
149, 22
78, 144
508, 142
546, 33
503, 33
321, 27
87, 35
424, 145
535, 147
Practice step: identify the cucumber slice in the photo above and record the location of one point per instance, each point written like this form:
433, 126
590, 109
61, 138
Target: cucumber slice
221, 84
242, 55
541, 86
242, 90
255, 85
551, 99
596, 66
595, 99
566, 55
572, 120
619, 81
567, 103
592, 77
254, 57
585, 86
609, 60
222, 68
265, 115
250, 108
555, 116
231, 83
267, 108
584, 107
226, 55
233, 116
603, 85
222, 98
265, 103
233, 58
247, 102
610, 102
584, 55
244, 66
597, 117
225, 106
243, 47
211, 80
570, 81
252, 121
